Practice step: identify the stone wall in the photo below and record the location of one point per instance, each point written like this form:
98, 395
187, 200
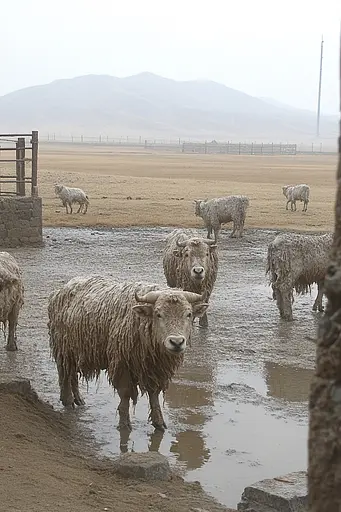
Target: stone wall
20, 221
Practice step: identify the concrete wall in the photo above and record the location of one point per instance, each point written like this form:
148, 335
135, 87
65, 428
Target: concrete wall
20, 221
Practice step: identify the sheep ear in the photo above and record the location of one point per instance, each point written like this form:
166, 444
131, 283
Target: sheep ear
176, 252
143, 311
199, 309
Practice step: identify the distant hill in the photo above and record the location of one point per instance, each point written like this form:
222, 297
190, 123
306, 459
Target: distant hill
148, 105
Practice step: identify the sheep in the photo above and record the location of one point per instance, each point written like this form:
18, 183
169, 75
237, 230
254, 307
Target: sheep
11, 297
295, 262
70, 195
218, 211
136, 331
190, 262
295, 193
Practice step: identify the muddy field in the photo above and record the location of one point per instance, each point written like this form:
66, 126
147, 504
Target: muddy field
240, 401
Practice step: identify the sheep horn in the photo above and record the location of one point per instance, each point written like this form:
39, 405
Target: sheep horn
209, 241
181, 244
192, 297
150, 297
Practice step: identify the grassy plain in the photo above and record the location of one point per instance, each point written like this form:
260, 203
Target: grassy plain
162, 186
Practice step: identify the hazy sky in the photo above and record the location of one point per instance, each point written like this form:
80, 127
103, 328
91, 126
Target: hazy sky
263, 47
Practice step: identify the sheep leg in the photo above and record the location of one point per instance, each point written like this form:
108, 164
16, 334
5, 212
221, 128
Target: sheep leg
66, 395
79, 400
12, 323
233, 233
318, 306
155, 411
209, 231
124, 391
85, 209
286, 207
216, 233
284, 304
79, 209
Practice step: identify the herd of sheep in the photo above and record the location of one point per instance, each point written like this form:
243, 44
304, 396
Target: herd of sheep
137, 332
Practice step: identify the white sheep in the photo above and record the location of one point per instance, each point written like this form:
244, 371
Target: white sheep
295, 193
70, 195
137, 332
11, 296
221, 210
295, 262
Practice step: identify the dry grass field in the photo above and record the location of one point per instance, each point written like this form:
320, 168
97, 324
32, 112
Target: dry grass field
162, 186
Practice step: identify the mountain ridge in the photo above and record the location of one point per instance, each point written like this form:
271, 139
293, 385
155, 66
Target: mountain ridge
152, 106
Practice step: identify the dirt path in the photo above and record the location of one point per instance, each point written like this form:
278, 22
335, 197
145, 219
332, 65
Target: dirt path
42, 469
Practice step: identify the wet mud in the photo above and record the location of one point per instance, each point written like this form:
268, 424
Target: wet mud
237, 409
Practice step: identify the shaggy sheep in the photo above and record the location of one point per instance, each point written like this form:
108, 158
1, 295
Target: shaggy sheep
218, 211
11, 297
295, 193
70, 195
296, 262
137, 332
190, 262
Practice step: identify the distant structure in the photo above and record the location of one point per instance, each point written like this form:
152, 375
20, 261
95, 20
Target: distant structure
319, 93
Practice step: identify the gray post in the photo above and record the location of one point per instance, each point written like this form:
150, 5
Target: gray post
324, 468
34, 184
20, 166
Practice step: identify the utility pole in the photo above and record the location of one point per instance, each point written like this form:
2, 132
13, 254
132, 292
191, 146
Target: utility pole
319, 93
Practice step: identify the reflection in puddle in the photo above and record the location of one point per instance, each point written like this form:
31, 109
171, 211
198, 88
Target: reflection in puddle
233, 417
287, 382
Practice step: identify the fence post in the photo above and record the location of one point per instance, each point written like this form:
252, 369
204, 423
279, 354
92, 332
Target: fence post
20, 166
205, 147
34, 183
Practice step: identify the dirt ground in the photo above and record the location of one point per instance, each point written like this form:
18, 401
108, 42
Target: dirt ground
162, 186
238, 402
42, 469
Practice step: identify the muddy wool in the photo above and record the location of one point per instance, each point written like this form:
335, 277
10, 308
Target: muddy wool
11, 296
69, 196
185, 250
96, 324
221, 210
295, 193
295, 262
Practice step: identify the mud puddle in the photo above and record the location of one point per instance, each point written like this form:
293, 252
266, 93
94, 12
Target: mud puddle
237, 410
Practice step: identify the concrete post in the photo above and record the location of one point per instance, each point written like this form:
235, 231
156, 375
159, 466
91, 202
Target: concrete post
324, 468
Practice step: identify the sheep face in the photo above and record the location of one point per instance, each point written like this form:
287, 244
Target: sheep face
195, 257
58, 189
171, 314
198, 204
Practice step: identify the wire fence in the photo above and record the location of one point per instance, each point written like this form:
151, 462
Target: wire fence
181, 145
